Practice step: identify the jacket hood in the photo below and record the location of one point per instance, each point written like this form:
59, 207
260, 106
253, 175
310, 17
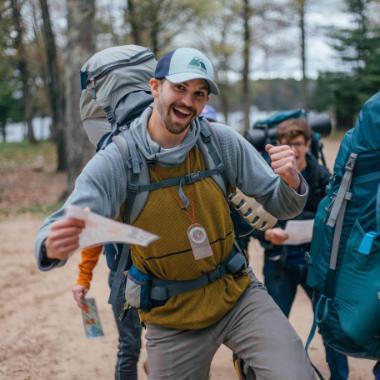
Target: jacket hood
152, 151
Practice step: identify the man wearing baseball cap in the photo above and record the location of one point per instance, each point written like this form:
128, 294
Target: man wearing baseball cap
200, 293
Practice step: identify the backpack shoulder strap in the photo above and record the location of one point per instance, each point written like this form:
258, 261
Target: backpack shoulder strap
137, 173
210, 151
133, 166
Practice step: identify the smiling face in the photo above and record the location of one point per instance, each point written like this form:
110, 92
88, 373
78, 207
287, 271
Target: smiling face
297, 134
177, 105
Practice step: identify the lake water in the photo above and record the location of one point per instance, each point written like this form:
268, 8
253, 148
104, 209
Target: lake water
16, 132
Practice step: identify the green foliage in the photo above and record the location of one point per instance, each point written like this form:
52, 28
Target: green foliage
10, 87
10, 101
358, 48
156, 23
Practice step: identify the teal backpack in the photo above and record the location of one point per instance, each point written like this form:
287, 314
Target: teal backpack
344, 262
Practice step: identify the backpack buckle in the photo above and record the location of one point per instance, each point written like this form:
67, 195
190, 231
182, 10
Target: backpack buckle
217, 273
132, 187
191, 178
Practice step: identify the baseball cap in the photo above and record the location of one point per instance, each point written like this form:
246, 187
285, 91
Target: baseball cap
183, 64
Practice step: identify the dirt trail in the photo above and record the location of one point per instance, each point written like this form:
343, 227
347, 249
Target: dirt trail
41, 329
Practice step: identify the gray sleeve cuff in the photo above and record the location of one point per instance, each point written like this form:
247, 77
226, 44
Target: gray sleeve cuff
303, 188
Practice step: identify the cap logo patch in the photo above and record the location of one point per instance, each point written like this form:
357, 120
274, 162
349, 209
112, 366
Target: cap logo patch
197, 63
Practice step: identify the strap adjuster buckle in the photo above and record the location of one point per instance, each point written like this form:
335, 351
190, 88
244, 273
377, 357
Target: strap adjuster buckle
191, 178
215, 274
132, 187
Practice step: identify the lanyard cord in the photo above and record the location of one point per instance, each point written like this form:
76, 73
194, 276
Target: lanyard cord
191, 215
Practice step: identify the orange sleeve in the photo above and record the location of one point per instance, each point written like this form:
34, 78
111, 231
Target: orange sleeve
89, 258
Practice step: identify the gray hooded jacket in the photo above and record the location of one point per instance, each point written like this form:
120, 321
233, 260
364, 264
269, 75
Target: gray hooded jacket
102, 185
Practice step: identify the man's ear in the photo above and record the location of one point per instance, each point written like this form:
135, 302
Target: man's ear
308, 143
154, 86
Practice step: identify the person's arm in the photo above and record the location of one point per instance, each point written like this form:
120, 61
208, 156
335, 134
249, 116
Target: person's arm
283, 194
101, 187
89, 259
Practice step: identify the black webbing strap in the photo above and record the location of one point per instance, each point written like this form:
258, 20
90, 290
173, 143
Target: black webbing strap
184, 180
188, 178
131, 159
162, 290
206, 138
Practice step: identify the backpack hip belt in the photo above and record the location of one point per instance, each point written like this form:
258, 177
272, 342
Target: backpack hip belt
144, 291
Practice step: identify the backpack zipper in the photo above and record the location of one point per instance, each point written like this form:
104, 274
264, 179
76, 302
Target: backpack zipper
134, 60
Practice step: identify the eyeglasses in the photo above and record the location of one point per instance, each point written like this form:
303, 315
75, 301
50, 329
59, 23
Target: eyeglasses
296, 145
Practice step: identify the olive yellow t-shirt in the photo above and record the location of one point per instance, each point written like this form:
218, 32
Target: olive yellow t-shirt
171, 258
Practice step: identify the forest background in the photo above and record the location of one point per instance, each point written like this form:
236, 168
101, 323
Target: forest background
267, 54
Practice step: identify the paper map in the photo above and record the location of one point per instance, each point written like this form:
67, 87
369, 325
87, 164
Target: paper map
91, 321
101, 230
299, 231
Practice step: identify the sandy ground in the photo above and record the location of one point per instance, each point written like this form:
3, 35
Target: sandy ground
41, 330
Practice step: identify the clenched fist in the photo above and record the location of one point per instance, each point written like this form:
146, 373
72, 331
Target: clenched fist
283, 163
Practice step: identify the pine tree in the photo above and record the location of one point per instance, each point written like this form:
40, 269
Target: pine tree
358, 78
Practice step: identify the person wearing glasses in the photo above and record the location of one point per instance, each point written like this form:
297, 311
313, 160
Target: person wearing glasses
285, 265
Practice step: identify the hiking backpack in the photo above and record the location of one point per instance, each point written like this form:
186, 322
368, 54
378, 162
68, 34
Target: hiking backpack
265, 131
115, 90
344, 262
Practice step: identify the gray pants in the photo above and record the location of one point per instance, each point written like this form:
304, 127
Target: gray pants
255, 329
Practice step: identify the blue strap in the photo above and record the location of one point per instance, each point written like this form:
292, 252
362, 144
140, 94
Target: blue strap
83, 79
321, 305
162, 290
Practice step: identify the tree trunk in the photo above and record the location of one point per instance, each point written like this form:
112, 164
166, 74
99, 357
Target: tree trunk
55, 88
301, 8
246, 62
155, 28
3, 127
224, 101
80, 45
23, 68
224, 95
133, 19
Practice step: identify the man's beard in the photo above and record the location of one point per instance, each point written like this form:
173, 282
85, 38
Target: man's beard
175, 128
